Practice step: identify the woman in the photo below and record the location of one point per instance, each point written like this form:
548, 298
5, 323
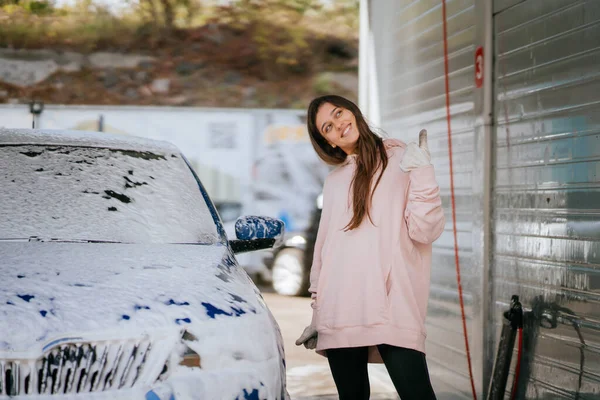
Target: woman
371, 268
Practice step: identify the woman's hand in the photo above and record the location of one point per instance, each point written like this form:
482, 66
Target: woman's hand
416, 156
308, 338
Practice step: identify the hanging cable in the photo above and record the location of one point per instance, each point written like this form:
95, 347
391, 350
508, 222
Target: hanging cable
456, 258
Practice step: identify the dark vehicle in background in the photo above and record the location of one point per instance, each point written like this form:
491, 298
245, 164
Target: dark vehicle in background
291, 263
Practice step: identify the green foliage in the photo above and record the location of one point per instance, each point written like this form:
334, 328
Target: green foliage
36, 7
277, 37
39, 7
167, 14
323, 84
278, 31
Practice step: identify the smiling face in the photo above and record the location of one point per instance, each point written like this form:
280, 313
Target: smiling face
338, 126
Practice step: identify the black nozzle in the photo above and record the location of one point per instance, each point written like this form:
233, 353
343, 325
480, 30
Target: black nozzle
515, 313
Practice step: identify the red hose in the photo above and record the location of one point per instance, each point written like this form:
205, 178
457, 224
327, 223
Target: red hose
456, 258
518, 367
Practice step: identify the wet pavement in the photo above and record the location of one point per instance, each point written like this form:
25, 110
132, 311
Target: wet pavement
308, 374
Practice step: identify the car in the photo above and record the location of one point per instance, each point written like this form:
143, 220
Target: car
291, 263
118, 279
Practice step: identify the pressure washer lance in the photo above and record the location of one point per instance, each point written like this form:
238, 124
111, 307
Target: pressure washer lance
513, 320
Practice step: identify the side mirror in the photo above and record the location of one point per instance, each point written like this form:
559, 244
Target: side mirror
257, 233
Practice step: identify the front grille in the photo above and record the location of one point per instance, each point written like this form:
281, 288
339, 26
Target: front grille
76, 368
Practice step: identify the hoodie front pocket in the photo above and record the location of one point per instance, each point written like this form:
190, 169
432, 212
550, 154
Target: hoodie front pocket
353, 299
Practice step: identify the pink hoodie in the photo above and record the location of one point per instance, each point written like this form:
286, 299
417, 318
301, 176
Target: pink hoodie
370, 285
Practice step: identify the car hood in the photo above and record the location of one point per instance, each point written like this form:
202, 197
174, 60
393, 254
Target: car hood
64, 292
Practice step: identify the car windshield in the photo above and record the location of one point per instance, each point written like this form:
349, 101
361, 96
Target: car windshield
98, 194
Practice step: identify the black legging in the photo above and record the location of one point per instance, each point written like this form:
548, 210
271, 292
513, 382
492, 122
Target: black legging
407, 368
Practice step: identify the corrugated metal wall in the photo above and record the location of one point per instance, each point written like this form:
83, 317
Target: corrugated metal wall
409, 50
546, 218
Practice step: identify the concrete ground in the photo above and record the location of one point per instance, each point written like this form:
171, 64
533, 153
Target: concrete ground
308, 374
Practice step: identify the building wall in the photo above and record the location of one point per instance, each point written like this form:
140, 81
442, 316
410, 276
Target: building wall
526, 171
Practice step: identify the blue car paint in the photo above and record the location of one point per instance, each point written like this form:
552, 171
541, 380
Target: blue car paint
160, 394
237, 311
252, 395
152, 396
26, 297
172, 302
212, 311
251, 228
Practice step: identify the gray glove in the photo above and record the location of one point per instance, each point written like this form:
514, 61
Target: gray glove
308, 338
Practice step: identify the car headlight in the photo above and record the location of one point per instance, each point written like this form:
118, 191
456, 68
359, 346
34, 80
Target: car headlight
296, 240
320, 201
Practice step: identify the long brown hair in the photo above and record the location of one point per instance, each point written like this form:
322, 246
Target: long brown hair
371, 155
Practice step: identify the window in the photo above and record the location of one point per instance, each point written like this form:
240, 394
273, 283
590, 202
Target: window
80, 193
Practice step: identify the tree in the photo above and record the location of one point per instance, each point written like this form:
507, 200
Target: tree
169, 18
165, 12
33, 6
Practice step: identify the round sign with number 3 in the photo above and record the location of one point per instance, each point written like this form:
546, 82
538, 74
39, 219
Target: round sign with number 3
479, 67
